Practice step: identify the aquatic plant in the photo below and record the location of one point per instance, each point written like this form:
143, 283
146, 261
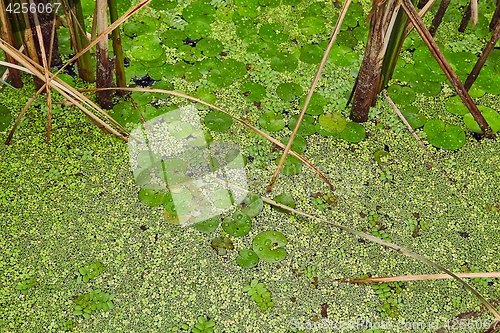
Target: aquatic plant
85, 304
259, 294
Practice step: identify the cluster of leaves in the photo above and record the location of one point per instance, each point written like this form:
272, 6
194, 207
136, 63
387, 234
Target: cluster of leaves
323, 201
376, 228
89, 271
95, 300
259, 294
416, 224
493, 208
388, 294
23, 286
203, 325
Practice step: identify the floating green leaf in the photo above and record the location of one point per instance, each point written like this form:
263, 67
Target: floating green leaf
180, 129
268, 245
491, 116
210, 47
247, 8
311, 54
208, 225
252, 205
353, 132
148, 159
292, 165
221, 245
455, 105
299, 143
284, 199
272, 32
444, 136
282, 62
146, 48
312, 25
413, 117
247, 258
316, 104
239, 224
332, 122
253, 92
199, 11
306, 126
173, 38
197, 29
288, 91
222, 199
151, 195
218, 121
163, 4
401, 95
5, 117
272, 121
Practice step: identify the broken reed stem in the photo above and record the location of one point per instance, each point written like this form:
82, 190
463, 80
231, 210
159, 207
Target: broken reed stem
482, 59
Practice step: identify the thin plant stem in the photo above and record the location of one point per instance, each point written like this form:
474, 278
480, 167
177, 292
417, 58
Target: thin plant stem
309, 95
117, 49
484, 56
436, 22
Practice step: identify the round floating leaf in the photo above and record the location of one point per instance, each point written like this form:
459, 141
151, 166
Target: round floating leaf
488, 80
222, 199
138, 28
163, 4
347, 38
252, 205
197, 29
289, 91
444, 136
253, 92
454, 105
173, 38
272, 121
199, 11
247, 258
292, 165
208, 225
342, 55
401, 95
236, 68
306, 126
312, 25
235, 159
271, 32
284, 199
220, 77
264, 49
316, 104
491, 116
173, 171
180, 129
5, 117
332, 122
148, 159
237, 225
269, 3
414, 118
218, 121
353, 132
311, 54
291, 2
247, 8
426, 87
299, 143
207, 65
315, 9
146, 48
210, 47
151, 195
268, 245
284, 62
125, 113
142, 176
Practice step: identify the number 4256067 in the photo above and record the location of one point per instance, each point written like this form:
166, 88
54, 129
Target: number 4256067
40, 8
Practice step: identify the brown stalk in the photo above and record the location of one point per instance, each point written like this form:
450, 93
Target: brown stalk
465, 19
255, 129
103, 68
8, 35
450, 74
46, 69
309, 95
496, 16
422, 277
64, 89
436, 22
110, 28
484, 56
